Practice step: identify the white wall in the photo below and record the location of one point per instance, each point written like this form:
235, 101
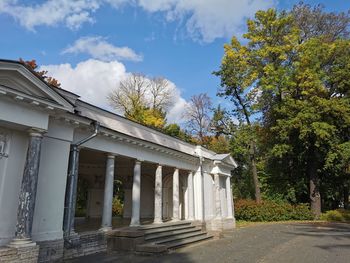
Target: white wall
209, 197
22, 114
223, 198
49, 206
11, 172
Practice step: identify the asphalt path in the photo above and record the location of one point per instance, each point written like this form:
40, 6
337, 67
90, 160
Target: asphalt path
262, 243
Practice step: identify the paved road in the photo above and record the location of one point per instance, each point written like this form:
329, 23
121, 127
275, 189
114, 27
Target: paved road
267, 243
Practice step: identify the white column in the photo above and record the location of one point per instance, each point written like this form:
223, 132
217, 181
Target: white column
190, 196
217, 196
136, 195
229, 198
176, 195
158, 196
108, 194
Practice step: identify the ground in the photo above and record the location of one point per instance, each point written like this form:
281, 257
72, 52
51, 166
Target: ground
263, 243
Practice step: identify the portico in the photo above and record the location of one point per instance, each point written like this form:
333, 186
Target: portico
61, 157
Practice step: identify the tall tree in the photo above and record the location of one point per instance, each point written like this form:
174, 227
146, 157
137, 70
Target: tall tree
197, 115
299, 82
314, 22
143, 99
237, 82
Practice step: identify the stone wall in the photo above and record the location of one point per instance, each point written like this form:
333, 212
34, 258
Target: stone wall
50, 251
19, 255
85, 244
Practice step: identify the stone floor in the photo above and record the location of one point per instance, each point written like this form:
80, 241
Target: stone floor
268, 243
82, 224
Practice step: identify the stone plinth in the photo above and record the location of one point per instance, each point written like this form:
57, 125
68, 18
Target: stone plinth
27, 254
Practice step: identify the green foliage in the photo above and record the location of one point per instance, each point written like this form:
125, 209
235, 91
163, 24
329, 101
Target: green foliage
82, 197
117, 207
266, 211
339, 215
219, 144
296, 76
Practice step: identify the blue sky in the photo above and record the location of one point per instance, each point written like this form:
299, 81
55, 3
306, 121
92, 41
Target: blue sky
89, 45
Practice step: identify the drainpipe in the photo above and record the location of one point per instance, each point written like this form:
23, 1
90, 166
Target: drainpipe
72, 183
202, 188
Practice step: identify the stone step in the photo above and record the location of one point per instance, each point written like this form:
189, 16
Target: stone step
153, 236
154, 247
167, 229
165, 224
188, 241
173, 238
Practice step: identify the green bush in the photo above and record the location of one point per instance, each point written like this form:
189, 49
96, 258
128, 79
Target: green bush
117, 207
80, 212
339, 215
249, 210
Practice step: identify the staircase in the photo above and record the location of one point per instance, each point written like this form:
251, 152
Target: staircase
167, 236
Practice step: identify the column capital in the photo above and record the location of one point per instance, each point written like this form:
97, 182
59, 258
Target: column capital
111, 155
138, 161
34, 132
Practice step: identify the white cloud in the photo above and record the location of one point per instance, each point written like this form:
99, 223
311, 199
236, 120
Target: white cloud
209, 19
93, 80
204, 20
51, 12
176, 112
99, 48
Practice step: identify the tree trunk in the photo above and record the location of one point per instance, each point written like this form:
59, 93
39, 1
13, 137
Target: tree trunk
314, 187
346, 196
255, 173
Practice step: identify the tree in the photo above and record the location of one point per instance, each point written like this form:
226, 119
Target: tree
43, 74
142, 99
314, 22
237, 80
197, 115
298, 82
221, 123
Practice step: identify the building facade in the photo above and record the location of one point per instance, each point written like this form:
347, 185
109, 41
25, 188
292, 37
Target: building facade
51, 141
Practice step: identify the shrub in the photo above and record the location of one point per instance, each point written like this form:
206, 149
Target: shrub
117, 207
339, 215
249, 210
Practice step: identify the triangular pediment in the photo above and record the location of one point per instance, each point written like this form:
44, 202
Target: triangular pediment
225, 158
17, 78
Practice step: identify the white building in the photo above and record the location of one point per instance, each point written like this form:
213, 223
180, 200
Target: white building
163, 178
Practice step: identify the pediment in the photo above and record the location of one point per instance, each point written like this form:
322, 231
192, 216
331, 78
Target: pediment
17, 78
226, 159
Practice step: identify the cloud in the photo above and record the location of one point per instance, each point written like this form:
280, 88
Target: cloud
98, 48
209, 19
94, 79
176, 112
51, 12
91, 79
203, 20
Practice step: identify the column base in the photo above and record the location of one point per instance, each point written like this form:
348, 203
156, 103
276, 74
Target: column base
21, 242
134, 223
105, 228
158, 221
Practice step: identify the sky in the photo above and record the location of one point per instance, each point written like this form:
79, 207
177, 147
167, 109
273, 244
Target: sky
91, 45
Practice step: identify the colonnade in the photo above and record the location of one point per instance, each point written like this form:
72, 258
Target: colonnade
30, 178
158, 195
